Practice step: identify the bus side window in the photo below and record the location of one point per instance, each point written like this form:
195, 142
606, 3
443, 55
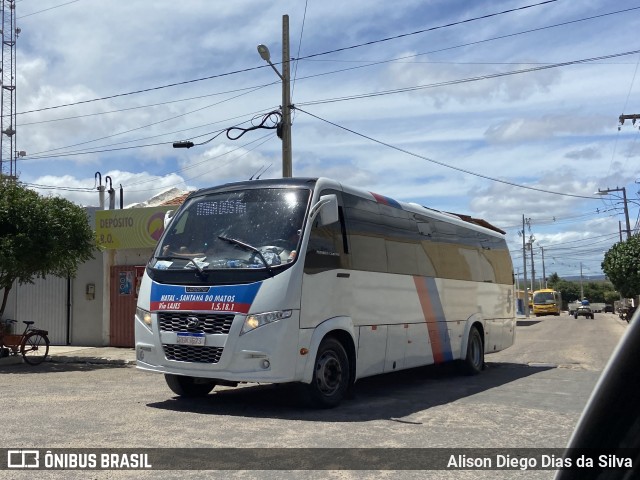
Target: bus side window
326, 247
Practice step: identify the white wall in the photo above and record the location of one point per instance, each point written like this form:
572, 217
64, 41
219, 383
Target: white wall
86, 316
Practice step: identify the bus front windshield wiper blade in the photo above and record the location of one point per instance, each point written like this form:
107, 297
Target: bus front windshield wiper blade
251, 248
201, 272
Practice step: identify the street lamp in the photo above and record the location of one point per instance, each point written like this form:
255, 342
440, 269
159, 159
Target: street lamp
287, 169
624, 201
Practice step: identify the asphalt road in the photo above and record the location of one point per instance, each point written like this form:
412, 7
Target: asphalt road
530, 396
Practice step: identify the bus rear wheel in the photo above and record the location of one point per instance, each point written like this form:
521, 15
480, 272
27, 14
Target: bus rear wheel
331, 376
474, 360
189, 387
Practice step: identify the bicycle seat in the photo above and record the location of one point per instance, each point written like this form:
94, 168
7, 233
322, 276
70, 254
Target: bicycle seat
28, 322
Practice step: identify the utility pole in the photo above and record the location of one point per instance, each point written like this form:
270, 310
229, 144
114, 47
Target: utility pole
544, 275
287, 168
624, 203
620, 229
285, 76
525, 297
533, 274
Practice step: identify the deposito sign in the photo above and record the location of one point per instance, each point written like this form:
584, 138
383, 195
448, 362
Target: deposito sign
130, 228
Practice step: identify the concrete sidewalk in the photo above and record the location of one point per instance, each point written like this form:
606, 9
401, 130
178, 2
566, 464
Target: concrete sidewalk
90, 355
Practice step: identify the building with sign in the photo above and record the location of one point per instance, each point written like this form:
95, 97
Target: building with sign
127, 238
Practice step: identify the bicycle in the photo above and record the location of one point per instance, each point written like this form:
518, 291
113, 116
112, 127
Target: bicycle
32, 344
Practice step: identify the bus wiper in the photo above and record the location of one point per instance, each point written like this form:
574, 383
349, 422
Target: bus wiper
201, 272
251, 248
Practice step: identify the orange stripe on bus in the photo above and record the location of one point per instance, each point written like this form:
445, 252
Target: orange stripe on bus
429, 317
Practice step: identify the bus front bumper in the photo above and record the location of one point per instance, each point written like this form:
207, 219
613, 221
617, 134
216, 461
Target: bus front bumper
262, 355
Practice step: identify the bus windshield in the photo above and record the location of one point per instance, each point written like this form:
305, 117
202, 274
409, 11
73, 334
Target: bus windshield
540, 298
243, 229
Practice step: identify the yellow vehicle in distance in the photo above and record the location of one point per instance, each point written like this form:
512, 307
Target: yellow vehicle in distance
547, 302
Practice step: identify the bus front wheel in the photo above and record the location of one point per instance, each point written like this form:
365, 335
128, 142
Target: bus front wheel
331, 379
474, 360
189, 387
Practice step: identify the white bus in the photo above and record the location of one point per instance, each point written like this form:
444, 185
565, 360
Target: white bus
312, 281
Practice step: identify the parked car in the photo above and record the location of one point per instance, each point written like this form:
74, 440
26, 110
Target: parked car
609, 309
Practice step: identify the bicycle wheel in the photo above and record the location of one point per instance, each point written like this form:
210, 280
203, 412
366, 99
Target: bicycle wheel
35, 348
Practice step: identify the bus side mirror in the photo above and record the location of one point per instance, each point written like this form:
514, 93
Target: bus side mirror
168, 216
327, 208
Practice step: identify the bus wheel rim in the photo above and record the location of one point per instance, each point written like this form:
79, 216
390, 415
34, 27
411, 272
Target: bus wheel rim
328, 373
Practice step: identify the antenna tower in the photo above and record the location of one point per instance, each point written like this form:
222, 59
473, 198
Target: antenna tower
8, 148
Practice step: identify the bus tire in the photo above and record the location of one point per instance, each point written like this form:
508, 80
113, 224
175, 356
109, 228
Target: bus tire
474, 360
189, 387
331, 378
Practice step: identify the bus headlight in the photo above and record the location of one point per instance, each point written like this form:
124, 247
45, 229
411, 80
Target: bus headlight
251, 322
144, 316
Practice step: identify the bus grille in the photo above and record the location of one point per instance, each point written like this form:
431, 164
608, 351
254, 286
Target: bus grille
192, 354
208, 322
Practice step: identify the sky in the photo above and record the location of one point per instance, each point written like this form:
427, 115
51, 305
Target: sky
502, 110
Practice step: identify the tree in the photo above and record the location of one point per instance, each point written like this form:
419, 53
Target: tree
622, 265
39, 236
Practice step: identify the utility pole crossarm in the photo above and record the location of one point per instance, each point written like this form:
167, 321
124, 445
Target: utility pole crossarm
633, 118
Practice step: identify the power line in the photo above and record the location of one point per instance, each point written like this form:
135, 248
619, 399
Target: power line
352, 97
468, 172
558, 220
370, 64
47, 9
150, 124
249, 69
207, 160
53, 187
168, 102
206, 134
464, 80
431, 29
295, 71
181, 170
500, 37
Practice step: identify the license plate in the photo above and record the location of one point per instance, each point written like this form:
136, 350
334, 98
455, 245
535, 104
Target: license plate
190, 339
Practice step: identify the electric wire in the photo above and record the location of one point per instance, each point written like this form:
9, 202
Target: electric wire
206, 134
462, 170
126, 109
373, 63
353, 97
295, 68
46, 9
460, 81
249, 69
431, 29
180, 170
264, 139
150, 124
